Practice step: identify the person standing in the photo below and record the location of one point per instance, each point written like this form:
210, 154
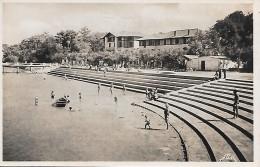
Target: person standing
52, 94
124, 89
80, 97
111, 88
235, 105
146, 93
219, 73
166, 114
147, 122
99, 86
36, 100
224, 72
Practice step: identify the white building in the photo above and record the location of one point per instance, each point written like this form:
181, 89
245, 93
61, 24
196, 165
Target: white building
208, 63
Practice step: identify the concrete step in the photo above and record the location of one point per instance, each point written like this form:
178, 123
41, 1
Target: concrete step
218, 87
200, 96
120, 83
236, 83
233, 86
237, 80
223, 95
164, 78
215, 106
162, 84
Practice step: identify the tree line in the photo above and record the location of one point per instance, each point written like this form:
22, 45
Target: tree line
231, 37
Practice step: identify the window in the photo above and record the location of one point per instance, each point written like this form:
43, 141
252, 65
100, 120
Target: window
157, 42
130, 38
177, 41
120, 44
131, 44
164, 42
153, 42
119, 38
185, 40
109, 45
111, 39
188, 32
150, 42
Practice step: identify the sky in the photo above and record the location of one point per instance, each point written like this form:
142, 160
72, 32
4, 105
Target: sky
23, 20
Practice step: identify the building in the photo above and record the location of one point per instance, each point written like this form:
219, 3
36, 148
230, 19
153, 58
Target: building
208, 63
174, 39
122, 40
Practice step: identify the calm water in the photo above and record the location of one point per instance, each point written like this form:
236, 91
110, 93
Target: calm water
93, 131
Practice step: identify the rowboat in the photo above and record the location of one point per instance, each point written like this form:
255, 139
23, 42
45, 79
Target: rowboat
61, 102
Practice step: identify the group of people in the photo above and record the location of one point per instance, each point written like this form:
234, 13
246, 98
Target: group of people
218, 74
151, 94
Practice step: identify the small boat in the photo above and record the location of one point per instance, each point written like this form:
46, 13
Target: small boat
61, 102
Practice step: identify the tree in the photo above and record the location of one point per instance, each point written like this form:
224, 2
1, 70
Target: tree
236, 33
68, 40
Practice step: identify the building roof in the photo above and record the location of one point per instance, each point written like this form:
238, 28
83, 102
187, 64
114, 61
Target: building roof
219, 57
196, 56
125, 34
172, 34
191, 56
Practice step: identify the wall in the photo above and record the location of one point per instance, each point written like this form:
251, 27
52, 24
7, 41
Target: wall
211, 64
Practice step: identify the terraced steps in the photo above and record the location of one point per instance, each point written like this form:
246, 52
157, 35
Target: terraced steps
224, 92
133, 81
224, 97
209, 106
215, 137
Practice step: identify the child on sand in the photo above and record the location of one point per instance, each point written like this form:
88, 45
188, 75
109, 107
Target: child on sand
52, 94
147, 122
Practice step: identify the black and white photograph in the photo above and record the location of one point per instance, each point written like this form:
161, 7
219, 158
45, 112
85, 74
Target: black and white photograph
129, 82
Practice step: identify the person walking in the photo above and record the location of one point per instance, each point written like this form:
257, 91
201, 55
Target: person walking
166, 114
99, 86
147, 122
52, 94
235, 105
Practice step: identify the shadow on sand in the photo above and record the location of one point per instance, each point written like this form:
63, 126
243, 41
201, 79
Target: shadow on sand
150, 129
